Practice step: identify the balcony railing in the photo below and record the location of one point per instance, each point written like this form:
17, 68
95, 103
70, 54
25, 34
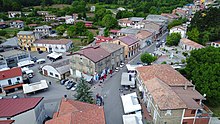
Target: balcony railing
204, 112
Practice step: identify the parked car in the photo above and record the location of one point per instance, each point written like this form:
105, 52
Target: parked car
70, 85
40, 51
116, 69
34, 59
41, 61
67, 82
62, 82
122, 65
74, 87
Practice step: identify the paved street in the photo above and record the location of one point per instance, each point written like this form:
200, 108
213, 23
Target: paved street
113, 104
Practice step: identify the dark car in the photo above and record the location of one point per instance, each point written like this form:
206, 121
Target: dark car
34, 59
62, 82
40, 51
70, 85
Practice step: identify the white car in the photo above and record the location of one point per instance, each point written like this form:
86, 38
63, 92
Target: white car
117, 69
122, 65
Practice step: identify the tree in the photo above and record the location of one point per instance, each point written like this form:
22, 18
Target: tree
147, 58
60, 30
83, 92
109, 22
176, 22
80, 29
194, 35
106, 32
173, 39
203, 69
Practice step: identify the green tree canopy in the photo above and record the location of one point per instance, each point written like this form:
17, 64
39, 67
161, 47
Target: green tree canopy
173, 39
109, 22
194, 35
176, 22
60, 30
203, 69
83, 92
147, 58
205, 26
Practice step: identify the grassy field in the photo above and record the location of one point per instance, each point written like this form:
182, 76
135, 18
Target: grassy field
77, 43
52, 6
216, 111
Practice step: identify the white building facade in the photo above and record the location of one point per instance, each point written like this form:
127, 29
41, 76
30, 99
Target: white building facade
179, 29
59, 46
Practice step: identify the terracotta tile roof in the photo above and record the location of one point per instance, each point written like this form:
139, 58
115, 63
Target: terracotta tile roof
18, 21
10, 73
189, 95
163, 95
143, 34
94, 53
168, 15
6, 121
113, 31
2, 23
191, 43
218, 42
110, 47
61, 41
129, 40
10, 107
32, 25
125, 20
103, 38
163, 72
75, 112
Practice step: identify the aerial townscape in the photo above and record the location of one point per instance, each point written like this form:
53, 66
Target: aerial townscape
109, 61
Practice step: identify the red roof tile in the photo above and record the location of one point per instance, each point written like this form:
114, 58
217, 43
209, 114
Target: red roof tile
94, 53
75, 112
18, 21
10, 73
113, 31
2, 23
163, 72
129, 40
10, 107
6, 121
61, 41
191, 43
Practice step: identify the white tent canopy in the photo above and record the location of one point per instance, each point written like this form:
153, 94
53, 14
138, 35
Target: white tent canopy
54, 55
132, 67
133, 118
29, 88
125, 79
130, 103
25, 63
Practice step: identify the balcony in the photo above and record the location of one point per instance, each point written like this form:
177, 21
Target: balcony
204, 112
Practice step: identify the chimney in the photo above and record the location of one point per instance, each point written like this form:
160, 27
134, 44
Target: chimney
65, 98
185, 87
194, 87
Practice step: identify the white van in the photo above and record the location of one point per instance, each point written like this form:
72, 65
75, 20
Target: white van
41, 61
30, 73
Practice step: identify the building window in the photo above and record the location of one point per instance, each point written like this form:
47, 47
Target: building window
184, 122
56, 47
9, 82
119, 43
193, 111
56, 75
51, 73
18, 79
62, 47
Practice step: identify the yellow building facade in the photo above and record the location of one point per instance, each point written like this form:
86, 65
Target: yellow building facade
26, 40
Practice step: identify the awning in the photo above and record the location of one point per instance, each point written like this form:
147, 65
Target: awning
12, 86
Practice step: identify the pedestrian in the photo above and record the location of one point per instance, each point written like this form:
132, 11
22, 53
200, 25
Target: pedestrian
49, 82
